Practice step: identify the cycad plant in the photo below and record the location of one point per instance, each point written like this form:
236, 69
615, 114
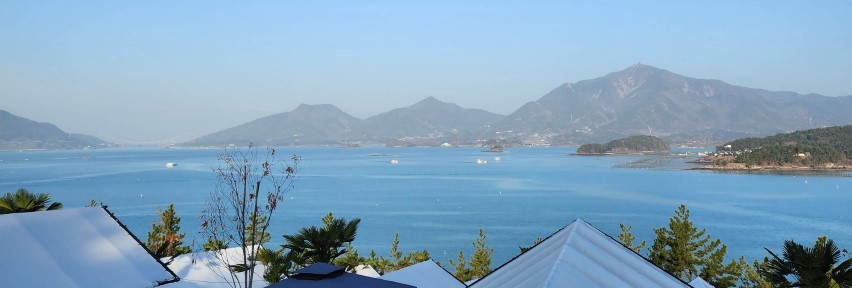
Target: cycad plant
321, 244
24, 201
801, 266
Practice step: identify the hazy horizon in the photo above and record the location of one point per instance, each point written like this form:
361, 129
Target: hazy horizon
159, 71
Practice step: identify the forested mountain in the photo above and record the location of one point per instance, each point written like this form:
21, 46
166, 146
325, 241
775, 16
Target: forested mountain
809, 147
17, 133
643, 98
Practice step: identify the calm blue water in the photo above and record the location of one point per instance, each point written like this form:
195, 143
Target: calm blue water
437, 199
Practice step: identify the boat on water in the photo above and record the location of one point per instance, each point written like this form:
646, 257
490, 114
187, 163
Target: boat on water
171, 164
497, 158
480, 161
394, 161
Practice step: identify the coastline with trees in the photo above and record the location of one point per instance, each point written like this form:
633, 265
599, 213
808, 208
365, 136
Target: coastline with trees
828, 148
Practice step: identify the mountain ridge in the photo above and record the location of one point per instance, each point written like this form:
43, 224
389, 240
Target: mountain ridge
643, 97
19, 133
640, 99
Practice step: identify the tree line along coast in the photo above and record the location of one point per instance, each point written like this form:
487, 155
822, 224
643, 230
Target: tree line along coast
680, 248
828, 148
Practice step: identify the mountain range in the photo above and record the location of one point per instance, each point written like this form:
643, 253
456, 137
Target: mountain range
18, 133
325, 124
638, 100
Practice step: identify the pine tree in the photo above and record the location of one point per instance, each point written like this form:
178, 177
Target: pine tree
380, 264
685, 252
417, 257
396, 259
214, 245
525, 249
480, 261
626, 238
462, 272
350, 259
257, 227
165, 238
751, 274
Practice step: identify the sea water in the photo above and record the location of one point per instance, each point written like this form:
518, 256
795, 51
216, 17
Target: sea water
438, 198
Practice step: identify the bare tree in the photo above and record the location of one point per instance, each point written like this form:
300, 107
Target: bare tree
251, 186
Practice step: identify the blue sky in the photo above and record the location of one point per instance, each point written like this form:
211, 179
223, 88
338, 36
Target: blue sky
161, 70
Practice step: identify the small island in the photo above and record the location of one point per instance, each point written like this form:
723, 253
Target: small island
639, 144
827, 148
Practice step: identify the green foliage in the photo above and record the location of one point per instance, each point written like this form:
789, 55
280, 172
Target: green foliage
798, 154
525, 249
480, 261
824, 145
24, 201
322, 244
632, 144
479, 264
685, 252
752, 275
716, 272
350, 259
815, 266
380, 264
415, 257
256, 230
395, 261
214, 245
626, 238
462, 272
278, 264
165, 239
591, 149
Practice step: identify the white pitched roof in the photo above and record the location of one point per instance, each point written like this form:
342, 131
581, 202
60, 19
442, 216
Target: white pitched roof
366, 270
578, 255
699, 283
80, 247
425, 274
204, 269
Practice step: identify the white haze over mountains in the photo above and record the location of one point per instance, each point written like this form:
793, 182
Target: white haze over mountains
163, 71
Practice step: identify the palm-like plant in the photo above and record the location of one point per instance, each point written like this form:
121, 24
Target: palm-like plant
24, 201
321, 244
809, 266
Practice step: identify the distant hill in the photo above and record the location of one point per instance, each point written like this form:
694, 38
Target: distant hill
429, 118
18, 133
644, 99
814, 147
327, 125
305, 125
632, 144
638, 100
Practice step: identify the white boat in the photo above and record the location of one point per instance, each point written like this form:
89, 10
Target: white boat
480, 161
497, 158
171, 164
394, 161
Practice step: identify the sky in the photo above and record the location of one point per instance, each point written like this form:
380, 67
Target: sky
149, 72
